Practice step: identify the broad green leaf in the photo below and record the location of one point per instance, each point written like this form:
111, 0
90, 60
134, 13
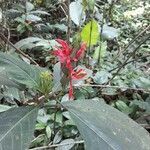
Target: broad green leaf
102, 77
100, 51
13, 11
29, 7
76, 13
4, 108
66, 144
142, 82
38, 140
109, 32
142, 104
43, 117
19, 7
32, 42
21, 28
57, 77
109, 91
40, 126
84, 3
91, 4
17, 127
57, 137
6, 80
123, 107
12, 93
90, 33
39, 12
48, 131
57, 26
33, 18
19, 71
26, 42
104, 127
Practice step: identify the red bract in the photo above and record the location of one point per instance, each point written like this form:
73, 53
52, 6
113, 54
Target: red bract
75, 75
80, 52
63, 52
79, 74
65, 55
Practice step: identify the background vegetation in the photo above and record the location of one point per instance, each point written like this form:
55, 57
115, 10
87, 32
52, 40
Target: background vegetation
34, 83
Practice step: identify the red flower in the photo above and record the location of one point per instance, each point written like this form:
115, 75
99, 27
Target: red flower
75, 75
80, 52
79, 74
65, 55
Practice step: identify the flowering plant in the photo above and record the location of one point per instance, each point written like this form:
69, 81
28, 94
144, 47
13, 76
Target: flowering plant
68, 56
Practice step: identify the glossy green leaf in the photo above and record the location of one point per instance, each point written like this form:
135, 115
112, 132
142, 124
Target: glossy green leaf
17, 127
26, 42
104, 127
90, 33
18, 71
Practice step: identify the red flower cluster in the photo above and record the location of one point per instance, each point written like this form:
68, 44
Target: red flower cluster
66, 58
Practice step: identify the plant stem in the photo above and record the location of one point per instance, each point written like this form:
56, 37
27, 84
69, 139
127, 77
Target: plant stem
56, 145
69, 22
100, 46
136, 37
115, 87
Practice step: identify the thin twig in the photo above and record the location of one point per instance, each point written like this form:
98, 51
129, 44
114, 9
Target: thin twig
130, 62
131, 55
138, 35
18, 50
64, 11
115, 87
56, 145
69, 22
